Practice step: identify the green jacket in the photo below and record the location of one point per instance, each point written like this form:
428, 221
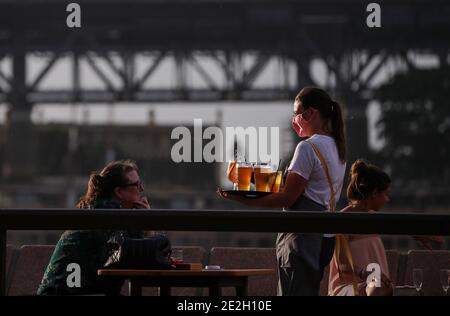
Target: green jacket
89, 249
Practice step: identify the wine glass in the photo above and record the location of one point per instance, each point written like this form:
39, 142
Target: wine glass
232, 174
445, 278
418, 279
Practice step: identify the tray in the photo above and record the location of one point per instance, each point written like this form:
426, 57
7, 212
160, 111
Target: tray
247, 194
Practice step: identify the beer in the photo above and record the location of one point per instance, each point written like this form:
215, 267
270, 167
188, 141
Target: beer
275, 181
244, 176
262, 174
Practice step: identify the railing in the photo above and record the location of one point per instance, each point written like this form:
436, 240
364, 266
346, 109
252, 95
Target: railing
211, 220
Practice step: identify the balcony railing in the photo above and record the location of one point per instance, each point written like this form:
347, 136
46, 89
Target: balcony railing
215, 220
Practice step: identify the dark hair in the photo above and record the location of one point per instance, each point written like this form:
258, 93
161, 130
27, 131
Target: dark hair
330, 110
365, 179
101, 184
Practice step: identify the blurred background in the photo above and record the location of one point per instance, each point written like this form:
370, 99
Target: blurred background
74, 99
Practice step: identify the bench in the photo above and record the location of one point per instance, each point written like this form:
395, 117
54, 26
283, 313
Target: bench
29, 267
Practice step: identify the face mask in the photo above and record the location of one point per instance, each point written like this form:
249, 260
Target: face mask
299, 125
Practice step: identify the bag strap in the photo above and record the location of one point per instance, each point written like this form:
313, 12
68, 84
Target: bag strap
342, 245
319, 155
341, 240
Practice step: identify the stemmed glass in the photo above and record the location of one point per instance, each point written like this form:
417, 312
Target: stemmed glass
418, 279
445, 278
232, 173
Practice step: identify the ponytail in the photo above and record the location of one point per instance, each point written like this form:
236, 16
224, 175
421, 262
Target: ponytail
93, 192
338, 130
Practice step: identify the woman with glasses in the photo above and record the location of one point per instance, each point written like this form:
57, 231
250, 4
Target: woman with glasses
117, 186
313, 183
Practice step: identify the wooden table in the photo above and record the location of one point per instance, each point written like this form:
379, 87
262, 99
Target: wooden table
165, 279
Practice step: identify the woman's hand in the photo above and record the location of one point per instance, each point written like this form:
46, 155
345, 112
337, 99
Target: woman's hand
363, 274
426, 241
142, 204
386, 287
175, 262
227, 196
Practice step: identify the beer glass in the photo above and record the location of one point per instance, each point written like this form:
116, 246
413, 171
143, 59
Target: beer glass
276, 181
244, 171
262, 174
418, 279
444, 275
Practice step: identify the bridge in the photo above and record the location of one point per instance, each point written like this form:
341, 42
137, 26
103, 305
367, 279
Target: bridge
212, 40
228, 46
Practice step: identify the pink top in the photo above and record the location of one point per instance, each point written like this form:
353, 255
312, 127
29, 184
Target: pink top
365, 249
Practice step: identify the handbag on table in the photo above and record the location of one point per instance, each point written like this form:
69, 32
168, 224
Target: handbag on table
150, 253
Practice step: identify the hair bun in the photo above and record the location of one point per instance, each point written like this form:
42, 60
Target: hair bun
358, 166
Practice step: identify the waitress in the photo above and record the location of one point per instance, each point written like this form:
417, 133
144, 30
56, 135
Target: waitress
313, 183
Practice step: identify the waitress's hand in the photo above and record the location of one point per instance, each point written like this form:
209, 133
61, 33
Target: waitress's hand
227, 196
142, 204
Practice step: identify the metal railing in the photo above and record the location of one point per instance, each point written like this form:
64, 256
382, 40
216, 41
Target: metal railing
212, 220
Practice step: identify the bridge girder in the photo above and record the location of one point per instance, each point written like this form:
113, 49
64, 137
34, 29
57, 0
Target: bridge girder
296, 33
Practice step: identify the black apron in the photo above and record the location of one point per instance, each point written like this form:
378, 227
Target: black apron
302, 257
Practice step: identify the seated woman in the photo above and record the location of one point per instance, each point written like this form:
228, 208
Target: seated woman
116, 186
367, 192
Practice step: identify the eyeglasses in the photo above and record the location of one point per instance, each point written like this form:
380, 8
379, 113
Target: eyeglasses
137, 184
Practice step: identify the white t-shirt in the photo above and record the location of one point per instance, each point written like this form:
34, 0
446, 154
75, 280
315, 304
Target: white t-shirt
306, 164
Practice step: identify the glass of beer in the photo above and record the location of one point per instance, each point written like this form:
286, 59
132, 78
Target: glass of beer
275, 181
232, 174
244, 171
277, 185
262, 174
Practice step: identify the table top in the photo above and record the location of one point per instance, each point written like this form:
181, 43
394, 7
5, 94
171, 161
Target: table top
185, 273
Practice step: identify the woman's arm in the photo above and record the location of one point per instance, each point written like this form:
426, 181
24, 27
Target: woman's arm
426, 241
293, 188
